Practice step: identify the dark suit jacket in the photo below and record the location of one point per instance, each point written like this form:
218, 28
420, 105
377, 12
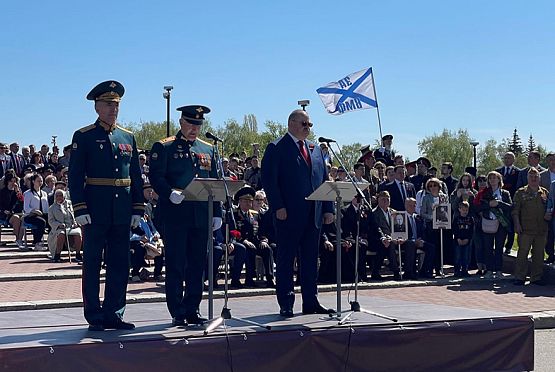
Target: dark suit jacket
288, 180
545, 179
382, 221
510, 180
523, 176
397, 201
451, 183
420, 226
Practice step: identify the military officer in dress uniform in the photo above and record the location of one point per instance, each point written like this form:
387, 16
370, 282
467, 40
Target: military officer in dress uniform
385, 152
174, 162
248, 223
106, 190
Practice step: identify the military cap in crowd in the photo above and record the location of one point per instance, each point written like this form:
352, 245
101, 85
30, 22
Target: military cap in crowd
423, 160
246, 192
411, 164
30, 167
107, 91
366, 153
471, 170
194, 114
387, 137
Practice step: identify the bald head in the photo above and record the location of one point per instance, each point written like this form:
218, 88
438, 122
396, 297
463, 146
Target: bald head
299, 124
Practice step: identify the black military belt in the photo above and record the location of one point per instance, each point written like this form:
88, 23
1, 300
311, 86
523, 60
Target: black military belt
108, 181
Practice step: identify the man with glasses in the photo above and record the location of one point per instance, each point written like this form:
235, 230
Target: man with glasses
292, 168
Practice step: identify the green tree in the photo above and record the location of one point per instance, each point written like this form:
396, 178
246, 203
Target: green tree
514, 144
148, 132
350, 154
489, 157
531, 146
448, 146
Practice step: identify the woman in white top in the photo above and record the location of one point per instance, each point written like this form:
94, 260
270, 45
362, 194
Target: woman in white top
35, 209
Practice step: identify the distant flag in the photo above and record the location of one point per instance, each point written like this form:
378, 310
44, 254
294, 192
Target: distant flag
354, 92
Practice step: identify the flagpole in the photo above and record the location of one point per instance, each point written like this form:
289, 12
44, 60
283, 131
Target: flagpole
377, 106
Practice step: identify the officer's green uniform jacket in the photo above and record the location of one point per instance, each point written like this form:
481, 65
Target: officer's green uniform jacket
174, 162
104, 175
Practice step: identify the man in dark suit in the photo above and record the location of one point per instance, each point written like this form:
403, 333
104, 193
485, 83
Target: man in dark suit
382, 216
509, 172
16, 159
399, 190
510, 175
292, 168
416, 242
447, 177
420, 178
533, 161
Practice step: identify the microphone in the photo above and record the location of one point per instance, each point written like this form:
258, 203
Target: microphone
212, 137
326, 140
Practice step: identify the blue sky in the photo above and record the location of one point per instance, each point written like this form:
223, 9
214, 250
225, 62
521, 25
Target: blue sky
484, 66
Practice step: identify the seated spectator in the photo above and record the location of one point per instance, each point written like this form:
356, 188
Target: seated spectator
145, 244
63, 228
10, 198
341, 174
380, 169
382, 216
253, 174
416, 242
389, 178
494, 205
463, 229
49, 182
59, 185
247, 223
333, 173
35, 208
227, 172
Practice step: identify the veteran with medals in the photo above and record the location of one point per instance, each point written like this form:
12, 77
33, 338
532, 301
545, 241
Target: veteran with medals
106, 191
174, 162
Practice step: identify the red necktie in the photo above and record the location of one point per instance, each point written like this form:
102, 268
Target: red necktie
304, 153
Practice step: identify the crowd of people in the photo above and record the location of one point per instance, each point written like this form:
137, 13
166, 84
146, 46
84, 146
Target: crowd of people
407, 221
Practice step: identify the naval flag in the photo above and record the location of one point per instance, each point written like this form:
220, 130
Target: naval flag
353, 92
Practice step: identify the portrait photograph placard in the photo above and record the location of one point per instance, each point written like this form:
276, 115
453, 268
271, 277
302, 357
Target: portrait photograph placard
442, 216
399, 225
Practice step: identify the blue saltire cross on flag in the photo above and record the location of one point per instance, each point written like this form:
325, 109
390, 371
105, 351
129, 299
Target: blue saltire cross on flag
354, 92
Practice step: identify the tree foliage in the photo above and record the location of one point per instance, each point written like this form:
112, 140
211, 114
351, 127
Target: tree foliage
148, 132
350, 154
448, 146
514, 144
489, 156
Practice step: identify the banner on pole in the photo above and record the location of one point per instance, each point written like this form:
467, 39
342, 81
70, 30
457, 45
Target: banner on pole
354, 92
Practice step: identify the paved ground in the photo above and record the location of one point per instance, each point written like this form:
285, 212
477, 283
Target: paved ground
30, 281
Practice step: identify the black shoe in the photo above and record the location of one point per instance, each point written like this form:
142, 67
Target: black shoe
538, 282
286, 313
96, 327
250, 283
317, 309
236, 285
518, 282
119, 324
178, 322
57, 258
78, 258
410, 276
507, 251
195, 319
376, 277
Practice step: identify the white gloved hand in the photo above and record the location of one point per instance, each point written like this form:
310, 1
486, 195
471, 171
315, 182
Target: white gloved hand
216, 223
83, 220
135, 221
176, 197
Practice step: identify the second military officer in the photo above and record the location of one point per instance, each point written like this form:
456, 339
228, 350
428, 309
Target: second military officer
106, 189
174, 162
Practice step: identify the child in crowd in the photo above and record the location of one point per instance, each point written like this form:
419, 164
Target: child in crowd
145, 243
463, 228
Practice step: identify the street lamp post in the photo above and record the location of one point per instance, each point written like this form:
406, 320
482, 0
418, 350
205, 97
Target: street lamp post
474, 144
303, 103
167, 95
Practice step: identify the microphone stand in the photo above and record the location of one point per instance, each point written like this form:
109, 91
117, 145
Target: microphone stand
355, 305
228, 215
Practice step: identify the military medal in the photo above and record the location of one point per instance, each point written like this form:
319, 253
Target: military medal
101, 146
180, 155
175, 155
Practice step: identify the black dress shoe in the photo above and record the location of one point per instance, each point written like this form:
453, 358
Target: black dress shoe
538, 282
270, 283
195, 319
376, 277
119, 324
318, 309
286, 313
518, 282
236, 285
96, 327
178, 322
250, 283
